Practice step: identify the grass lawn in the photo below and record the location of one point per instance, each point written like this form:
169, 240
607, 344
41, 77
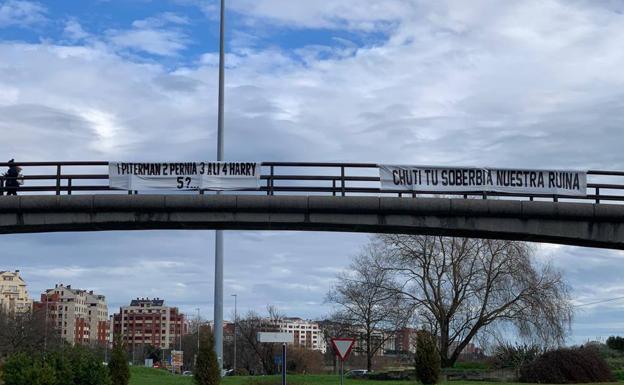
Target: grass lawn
145, 376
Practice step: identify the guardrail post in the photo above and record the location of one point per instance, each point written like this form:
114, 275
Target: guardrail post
271, 182
58, 179
484, 195
597, 195
555, 198
342, 181
69, 186
333, 187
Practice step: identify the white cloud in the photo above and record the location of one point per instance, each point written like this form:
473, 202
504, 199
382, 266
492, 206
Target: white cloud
161, 20
157, 42
21, 13
159, 35
74, 31
338, 14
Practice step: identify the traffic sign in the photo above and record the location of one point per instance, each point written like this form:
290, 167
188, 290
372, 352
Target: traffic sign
342, 347
270, 337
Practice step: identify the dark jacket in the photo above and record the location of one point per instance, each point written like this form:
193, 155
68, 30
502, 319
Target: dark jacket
11, 177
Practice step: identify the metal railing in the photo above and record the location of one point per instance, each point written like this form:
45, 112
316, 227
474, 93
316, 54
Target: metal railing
294, 178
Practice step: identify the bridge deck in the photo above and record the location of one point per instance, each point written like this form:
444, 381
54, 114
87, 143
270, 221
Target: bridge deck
594, 225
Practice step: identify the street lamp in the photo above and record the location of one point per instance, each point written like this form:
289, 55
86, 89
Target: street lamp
235, 321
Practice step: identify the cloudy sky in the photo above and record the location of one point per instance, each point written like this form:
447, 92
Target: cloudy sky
524, 84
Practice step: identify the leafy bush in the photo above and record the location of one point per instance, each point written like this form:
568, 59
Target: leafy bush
509, 356
69, 366
241, 372
615, 363
427, 358
571, 365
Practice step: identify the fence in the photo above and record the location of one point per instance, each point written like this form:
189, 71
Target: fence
308, 178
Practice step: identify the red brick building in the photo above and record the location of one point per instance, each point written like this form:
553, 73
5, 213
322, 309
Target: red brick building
149, 322
80, 316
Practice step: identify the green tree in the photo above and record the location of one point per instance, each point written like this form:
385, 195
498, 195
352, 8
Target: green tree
427, 358
46, 375
87, 368
206, 367
118, 365
616, 343
17, 370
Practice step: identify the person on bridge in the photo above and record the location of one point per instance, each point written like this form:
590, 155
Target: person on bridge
11, 178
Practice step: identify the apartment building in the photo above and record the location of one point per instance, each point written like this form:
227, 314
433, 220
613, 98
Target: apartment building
403, 342
307, 334
13, 294
79, 315
149, 322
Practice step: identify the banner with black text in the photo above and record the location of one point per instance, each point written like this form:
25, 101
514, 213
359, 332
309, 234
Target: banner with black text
215, 176
474, 179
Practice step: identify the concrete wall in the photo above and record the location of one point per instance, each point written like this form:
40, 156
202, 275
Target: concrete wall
584, 224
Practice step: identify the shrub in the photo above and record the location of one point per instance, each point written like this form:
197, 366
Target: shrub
570, 365
207, 367
427, 358
509, 356
70, 366
118, 364
241, 372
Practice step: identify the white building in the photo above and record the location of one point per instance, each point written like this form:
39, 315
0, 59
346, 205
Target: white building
13, 294
307, 334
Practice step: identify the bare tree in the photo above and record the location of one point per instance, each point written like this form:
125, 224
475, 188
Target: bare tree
27, 333
253, 354
462, 286
368, 302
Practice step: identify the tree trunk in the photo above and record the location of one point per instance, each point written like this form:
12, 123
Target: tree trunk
369, 358
445, 361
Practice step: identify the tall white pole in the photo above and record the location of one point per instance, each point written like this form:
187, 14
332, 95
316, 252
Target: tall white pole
218, 292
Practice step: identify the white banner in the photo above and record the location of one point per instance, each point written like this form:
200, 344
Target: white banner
215, 176
474, 179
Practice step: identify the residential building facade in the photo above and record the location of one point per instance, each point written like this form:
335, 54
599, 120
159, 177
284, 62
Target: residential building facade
149, 322
13, 294
307, 334
80, 316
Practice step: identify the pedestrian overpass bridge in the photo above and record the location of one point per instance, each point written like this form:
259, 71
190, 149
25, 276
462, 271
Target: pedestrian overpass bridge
313, 197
